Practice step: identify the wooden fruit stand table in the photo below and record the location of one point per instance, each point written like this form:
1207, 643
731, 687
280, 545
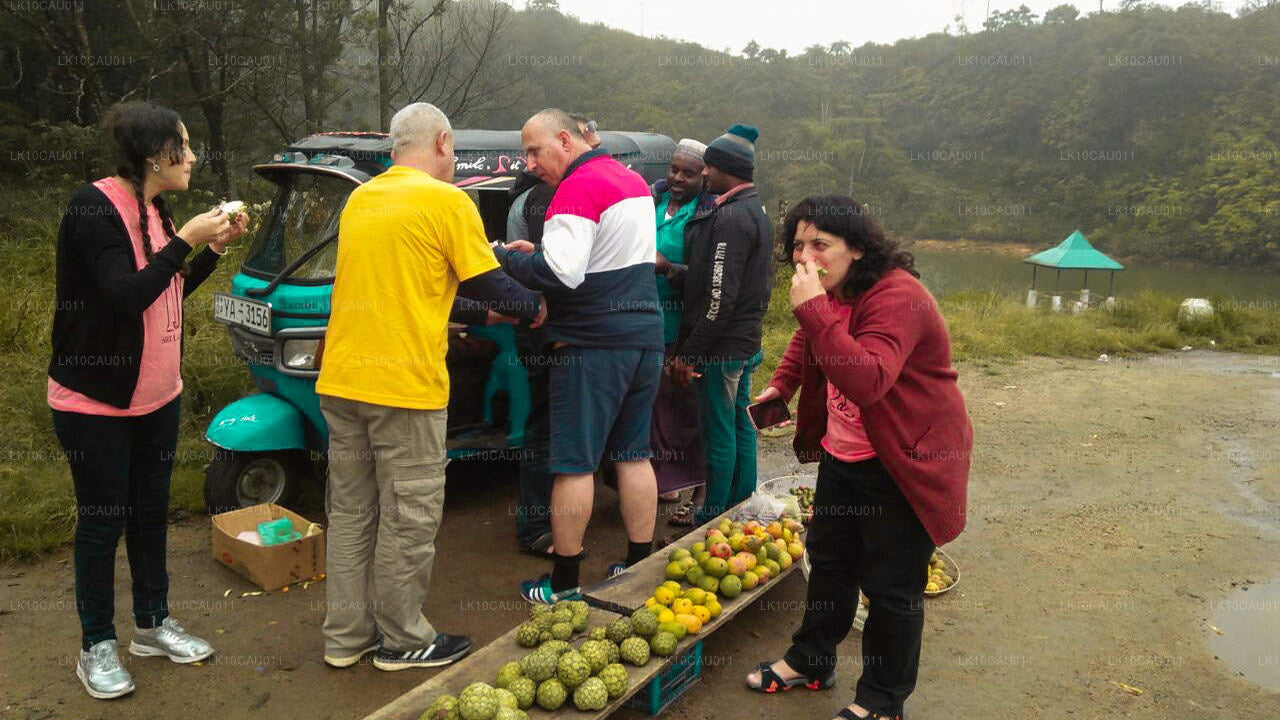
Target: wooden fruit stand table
621, 596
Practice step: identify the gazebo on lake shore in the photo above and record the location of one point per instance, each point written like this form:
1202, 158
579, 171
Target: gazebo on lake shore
1074, 253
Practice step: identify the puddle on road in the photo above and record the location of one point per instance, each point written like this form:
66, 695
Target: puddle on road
1250, 639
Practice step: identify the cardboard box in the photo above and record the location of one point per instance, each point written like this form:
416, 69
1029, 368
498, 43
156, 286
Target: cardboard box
269, 567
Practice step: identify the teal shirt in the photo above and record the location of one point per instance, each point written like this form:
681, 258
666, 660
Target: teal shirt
671, 245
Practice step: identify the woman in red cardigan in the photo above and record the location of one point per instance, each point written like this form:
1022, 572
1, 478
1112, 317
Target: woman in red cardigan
880, 412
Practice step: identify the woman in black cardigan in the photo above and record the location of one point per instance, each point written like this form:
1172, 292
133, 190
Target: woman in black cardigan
114, 384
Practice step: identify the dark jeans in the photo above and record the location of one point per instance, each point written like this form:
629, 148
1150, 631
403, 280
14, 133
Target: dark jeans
864, 534
120, 467
533, 516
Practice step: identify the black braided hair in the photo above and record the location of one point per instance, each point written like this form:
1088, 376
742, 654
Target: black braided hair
136, 131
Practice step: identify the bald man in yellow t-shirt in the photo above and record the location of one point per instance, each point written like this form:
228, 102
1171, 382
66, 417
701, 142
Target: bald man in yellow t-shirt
407, 240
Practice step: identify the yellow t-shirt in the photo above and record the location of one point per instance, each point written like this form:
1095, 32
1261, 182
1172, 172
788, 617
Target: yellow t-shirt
405, 241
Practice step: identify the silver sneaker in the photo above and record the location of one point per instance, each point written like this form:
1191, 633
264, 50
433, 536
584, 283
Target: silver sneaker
100, 671
169, 640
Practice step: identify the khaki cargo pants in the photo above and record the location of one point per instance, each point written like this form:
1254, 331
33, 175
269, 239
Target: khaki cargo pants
385, 499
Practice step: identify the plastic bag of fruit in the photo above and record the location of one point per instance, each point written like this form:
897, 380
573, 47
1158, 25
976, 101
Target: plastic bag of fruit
761, 507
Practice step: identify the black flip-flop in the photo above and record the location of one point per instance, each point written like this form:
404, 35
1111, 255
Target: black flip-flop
541, 547
847, 714
771, 683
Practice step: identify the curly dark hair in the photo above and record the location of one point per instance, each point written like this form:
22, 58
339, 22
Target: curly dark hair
849, 219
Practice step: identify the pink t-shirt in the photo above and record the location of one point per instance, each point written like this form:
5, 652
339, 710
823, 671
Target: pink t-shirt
159, 379
846, 439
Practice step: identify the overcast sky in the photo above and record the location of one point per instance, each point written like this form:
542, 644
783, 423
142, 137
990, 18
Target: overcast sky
796, 24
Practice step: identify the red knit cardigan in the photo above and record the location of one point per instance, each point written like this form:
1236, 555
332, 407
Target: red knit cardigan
893, 360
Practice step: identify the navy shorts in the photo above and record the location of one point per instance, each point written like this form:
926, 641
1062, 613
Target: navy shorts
601, 401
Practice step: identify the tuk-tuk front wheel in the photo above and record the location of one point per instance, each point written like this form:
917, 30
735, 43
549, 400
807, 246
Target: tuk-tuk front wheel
241, 479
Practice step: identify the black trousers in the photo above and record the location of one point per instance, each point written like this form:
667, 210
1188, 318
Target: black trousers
121, 468
864, 535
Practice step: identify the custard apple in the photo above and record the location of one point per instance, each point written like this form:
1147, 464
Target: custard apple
591, 695
444, 708
551, 694
618, 630
527, 635
478, 702
615, 679
572, 669
507, 673
597, 654
539, 665
525, 691
634, 650
663, 643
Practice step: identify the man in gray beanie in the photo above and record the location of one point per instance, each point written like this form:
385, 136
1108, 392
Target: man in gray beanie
726, 287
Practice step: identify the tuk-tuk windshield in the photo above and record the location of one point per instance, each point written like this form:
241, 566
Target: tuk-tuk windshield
305, 213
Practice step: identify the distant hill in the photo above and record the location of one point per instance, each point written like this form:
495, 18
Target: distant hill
1153, 130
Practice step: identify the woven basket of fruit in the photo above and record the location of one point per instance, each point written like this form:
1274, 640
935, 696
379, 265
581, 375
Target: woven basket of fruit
944, 574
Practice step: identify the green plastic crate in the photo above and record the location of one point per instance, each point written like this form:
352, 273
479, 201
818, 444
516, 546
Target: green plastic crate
670, 683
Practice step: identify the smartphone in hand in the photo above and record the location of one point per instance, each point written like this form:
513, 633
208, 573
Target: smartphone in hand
769, 413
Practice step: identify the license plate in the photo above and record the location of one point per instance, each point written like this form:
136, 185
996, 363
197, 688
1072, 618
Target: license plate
250, 314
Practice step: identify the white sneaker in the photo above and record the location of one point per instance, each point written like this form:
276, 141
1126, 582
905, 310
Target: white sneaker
101, 673
169, 640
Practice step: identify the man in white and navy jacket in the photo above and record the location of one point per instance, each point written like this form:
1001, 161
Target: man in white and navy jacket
595, 268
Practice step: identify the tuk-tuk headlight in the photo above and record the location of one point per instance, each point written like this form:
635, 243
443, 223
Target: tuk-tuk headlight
302, 354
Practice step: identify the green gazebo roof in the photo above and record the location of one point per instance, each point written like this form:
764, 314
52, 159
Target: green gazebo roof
1074, 253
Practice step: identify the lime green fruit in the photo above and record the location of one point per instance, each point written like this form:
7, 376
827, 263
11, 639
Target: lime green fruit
731, 586
693, 575
709, 584
675, 628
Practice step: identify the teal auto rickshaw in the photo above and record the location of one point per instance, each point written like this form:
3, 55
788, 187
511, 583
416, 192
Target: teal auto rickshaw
267, 445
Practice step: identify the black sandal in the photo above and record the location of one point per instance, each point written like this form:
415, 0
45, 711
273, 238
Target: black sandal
771, 683
541, 547
847, 714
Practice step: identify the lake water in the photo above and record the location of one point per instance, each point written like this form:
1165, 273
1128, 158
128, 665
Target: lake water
945, 272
